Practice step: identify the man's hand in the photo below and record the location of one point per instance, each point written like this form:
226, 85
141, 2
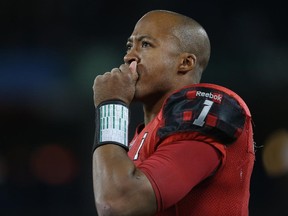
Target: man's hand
119, 84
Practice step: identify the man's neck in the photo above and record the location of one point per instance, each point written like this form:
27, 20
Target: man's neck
151, 110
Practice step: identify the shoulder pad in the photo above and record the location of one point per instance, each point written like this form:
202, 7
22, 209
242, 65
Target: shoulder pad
209, 109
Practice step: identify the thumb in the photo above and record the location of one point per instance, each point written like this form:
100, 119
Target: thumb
133, 69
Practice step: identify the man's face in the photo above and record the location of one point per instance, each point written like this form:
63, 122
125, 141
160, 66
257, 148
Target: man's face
155, 49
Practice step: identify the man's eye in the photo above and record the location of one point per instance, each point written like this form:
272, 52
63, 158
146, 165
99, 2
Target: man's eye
128, 47
145, 44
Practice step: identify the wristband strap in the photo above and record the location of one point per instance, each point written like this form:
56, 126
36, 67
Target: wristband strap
112, 119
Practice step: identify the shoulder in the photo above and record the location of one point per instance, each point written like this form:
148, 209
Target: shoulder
209, 109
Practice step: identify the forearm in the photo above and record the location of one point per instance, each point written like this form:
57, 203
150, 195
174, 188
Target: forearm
120, 188
111, 168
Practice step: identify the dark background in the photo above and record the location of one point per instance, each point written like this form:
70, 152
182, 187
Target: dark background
50, 52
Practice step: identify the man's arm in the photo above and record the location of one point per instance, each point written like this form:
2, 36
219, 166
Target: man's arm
120, 188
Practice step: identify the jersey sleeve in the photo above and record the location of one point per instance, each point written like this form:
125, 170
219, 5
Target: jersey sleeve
208, 109
176, 167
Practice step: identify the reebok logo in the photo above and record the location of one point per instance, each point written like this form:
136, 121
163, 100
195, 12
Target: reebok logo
216, 97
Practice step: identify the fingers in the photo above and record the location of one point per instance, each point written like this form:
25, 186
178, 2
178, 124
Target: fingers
119, 83
116, 70
133, 66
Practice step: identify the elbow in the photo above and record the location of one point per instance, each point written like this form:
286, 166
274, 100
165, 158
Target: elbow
107, 208
104, 209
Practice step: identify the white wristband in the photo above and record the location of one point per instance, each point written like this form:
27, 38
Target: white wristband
112, 119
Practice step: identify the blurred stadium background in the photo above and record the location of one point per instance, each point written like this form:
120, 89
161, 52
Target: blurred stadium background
50, 52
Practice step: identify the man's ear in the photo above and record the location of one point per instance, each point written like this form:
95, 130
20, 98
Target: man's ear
187, 62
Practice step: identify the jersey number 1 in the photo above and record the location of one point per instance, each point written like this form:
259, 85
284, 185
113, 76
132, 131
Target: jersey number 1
200, 120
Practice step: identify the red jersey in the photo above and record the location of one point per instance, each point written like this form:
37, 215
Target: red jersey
168, 151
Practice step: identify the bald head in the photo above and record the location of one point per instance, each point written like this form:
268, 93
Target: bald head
192, 37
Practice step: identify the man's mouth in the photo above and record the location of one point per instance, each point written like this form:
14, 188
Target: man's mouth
138, 76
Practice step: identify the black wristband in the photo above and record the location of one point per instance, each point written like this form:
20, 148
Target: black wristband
111, 120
